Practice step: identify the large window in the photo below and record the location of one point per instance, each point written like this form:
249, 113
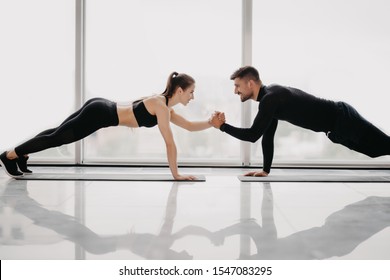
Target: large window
36, 70
337, 50
132, 47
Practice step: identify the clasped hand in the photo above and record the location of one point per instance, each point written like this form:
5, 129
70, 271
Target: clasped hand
217, 119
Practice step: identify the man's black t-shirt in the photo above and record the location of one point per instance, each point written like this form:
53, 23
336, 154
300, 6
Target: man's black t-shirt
288, 104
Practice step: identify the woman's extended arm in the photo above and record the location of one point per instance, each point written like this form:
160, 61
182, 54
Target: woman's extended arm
188, 125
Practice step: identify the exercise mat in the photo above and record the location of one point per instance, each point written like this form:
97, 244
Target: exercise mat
103, 177
322, 176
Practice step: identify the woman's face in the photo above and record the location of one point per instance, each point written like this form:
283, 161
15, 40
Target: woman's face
187, 95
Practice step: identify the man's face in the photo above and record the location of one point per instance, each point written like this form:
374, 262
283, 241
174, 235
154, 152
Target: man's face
243, 88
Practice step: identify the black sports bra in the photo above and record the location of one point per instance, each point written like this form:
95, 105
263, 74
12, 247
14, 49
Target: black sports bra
143, 117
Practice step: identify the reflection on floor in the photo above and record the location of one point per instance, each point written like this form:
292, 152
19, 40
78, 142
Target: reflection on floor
221, 218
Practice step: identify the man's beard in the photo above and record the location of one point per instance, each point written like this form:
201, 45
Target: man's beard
244, 98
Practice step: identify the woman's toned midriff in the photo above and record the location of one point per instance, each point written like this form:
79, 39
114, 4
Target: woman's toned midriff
126, 116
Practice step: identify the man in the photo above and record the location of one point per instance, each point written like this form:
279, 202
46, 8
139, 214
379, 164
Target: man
338, 120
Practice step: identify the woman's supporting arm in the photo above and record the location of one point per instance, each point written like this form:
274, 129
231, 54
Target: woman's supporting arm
163, 117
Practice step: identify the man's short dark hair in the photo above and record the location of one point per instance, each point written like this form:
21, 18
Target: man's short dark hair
248, 72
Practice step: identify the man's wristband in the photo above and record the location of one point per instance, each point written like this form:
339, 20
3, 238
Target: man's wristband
222, 127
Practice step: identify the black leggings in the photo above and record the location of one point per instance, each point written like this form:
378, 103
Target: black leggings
95, 114
358, 134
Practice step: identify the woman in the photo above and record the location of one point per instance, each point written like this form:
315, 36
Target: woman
97, 113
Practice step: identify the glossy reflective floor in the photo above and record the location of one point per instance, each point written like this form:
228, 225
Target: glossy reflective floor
221, 218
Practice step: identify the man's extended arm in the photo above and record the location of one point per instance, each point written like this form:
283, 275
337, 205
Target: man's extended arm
260, 124
263, 125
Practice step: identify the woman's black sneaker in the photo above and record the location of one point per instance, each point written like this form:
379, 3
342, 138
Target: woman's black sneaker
22, 164
9, 166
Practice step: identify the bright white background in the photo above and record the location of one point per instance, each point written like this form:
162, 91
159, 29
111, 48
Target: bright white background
37, 89
132, 47
334, 49
281, 270
338, 50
